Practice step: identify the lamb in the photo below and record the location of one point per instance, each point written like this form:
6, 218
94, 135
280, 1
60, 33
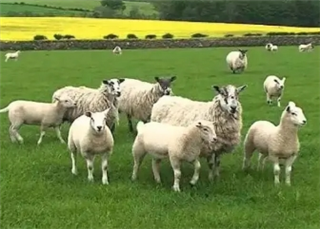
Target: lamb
138, 97
177, 143
275, 143
117, 50
90, 136
94, 100
225, 110
306, 47
271, 47
274, 87
12, 55
37, 113
237, 60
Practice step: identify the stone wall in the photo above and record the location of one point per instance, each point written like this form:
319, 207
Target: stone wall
161, 43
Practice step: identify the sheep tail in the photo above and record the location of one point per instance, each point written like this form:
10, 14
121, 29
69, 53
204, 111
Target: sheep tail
6, 109
140, 126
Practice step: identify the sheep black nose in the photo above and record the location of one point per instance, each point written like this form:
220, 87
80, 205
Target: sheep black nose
99, 128
304, 121
118, 94
214, 139
281, 87
233, 109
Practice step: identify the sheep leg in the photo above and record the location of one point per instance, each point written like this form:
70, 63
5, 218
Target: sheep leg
248, 152
11, 134
130, 123
261, 161
104, 167
138, 156
278, 100
156, 169
14, 128
42, 133
57, 128
269, 100
289, 163
276, 169
196, 173
176, 164
73, 155
90, 160
210, 161
217, 166
113, 127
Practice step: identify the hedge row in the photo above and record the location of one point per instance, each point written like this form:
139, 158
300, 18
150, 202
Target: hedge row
48, 6
159, 43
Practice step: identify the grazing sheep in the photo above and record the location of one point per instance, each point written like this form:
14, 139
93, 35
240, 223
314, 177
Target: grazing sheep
137, 97
94, 100
276, 143
225, 110
271, 47
306, 47
37, 113
117, 50
274, 87
89, 136
12, 55
237, 61
178, 143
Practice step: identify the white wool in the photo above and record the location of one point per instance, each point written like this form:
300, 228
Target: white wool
90, 136
237, 61
274, 87
178, 143
271, 47
276, 143
274, 48
12, 55
37, 113
117, 50
305, 47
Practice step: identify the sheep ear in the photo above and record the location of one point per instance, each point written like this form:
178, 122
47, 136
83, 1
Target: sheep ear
88, 114
241, 88
173, 78
216, 88
105, 81
283, 79
57, 98
121, 80
291, 104
199, 125
275, 80
157, 78
106, 111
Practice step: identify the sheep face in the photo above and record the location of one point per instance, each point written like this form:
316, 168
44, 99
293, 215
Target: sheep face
114, 86
242, 53
98, 120
229, 96
66, 101
165, 84
207, 132
295, 114
280, 83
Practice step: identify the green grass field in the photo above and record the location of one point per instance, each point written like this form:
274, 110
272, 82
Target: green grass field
144, 7
39, 191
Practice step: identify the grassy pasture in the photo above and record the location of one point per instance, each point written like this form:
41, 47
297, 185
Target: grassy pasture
39, 191
144, 7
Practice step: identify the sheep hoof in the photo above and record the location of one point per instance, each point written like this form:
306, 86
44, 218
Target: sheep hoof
74, 171
176, 189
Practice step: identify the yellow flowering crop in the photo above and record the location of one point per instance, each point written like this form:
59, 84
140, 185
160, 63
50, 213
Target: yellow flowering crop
25, 28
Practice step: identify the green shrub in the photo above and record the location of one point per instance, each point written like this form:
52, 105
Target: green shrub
229, 35
68, 37
252, 35
132, 36
151, 36
39, 37
198, 35
58, 36
167, 36
280, 34
110, 36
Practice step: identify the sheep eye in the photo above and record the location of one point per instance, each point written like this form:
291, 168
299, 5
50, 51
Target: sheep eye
294, 114
205, 129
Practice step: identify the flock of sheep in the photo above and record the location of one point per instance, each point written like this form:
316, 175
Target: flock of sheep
169, 126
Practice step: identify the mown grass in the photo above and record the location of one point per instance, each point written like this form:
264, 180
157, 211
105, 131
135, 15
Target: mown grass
38, 10
39, 191
145, 8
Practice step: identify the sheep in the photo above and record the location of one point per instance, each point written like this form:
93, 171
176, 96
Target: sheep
275, 143
117, 50
89, 136
94, 100
237, 60
37, 113
306, 47
274, 87
178, 143
137, 97
12, 55
225, 110
271, 47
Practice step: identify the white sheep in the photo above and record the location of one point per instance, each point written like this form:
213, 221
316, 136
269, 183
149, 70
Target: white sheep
271, 47
117, 50
12, 55
178, 143
275, 143
237, 61
94, 100
306, 47
274, 87
137, 97
37, 113
225, 110
89, 136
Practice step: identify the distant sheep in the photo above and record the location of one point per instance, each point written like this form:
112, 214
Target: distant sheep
90, 136
271, 47
137, 97
178, 143
237, 61
306, 47
274, 87
117, 50
12, 55
94, 100
276, 143
225, 110
37, 113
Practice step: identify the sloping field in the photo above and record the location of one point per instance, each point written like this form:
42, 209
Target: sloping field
24, 28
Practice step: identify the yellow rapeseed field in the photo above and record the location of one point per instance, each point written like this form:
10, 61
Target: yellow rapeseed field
25, 28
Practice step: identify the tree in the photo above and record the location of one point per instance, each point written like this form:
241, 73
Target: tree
114, 4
